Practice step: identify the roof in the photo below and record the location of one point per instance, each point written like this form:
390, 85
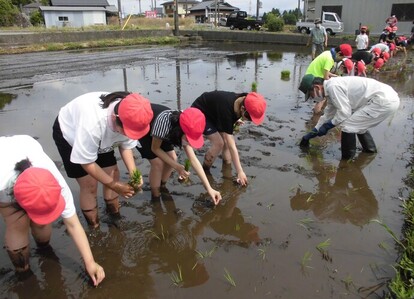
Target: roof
79, 3
32, 5
181, 1
212, 5
69, 8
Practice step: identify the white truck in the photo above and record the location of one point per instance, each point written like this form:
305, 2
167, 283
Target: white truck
330, 20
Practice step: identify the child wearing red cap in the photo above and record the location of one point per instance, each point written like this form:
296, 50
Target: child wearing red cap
86, 132
170, 128
33, 194
224, 109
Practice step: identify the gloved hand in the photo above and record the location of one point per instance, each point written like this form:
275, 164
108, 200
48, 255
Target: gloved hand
305, 139
325, 128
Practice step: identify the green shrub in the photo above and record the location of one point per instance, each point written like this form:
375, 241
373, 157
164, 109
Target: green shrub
8, 13
36, 18
274, 23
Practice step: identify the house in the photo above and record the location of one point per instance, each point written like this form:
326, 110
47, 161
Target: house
371, 13
76, 13
183, 8
208, 11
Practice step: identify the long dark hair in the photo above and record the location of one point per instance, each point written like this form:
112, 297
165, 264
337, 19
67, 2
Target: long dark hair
107, 99
22, 165
176, 133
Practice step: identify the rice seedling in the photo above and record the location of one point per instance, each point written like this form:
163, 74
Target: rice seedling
177, 278
348, 207
307, 257
262, 253
207, 253
237, 228
347, 281
229, 278
309, 199
254, 86
322, 248
161, 237
305, 223
135, 179
390, 232
285, 75
187, 165
270, 205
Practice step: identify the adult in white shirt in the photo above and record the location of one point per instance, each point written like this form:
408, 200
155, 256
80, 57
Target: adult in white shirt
33, 194
86, 132
354, 104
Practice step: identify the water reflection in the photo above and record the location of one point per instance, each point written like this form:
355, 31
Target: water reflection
342, 193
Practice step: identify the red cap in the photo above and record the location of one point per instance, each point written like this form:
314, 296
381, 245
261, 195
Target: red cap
346, 50
379, 63
389, 29
385, 56
391, 46
135, 114
394, 29
376, 51
348, 64
193, 123
38, 192
361, 67
256, 106
364, 27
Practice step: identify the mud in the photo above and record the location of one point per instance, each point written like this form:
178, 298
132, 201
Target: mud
303, 226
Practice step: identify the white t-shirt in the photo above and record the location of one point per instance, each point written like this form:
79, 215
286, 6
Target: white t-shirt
361, 41
85, 126
15, 148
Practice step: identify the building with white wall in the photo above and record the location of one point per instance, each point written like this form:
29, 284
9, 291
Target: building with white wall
371, 13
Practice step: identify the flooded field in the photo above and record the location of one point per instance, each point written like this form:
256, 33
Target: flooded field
302, 228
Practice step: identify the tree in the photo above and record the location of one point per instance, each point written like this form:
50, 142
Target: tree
274, 23
36, 18
8, 13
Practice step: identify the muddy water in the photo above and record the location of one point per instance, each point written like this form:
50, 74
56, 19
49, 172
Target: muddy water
301, 229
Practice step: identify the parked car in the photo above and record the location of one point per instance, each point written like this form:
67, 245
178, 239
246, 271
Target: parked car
330, 20
238, 19
222, 22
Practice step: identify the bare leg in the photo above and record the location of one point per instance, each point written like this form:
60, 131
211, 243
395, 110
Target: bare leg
88, 203
111, 198
215, 149
41, 234
17, 237
159, 174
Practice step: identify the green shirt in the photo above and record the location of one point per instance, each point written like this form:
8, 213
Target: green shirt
322, 62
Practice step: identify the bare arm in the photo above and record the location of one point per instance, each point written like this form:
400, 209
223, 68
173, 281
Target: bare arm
215, 195
95, 271
231, 144
156, 149
127, 156
95, 171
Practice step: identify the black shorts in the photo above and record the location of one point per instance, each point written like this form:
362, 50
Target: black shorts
65, 149
210, 128
145, 149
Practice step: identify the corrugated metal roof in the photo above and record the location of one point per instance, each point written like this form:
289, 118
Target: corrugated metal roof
212, 5
69, 8
79, 3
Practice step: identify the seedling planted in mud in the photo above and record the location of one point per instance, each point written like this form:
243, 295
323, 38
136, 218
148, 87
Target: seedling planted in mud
323, 249
305, 223
135, 180
254, 86
262, 253
307, 257
187, 166
208, 253
177, 278
160, 237
229, 278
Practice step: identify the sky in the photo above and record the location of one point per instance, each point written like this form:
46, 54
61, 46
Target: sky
132, 6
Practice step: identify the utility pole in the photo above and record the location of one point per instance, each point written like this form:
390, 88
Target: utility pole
257, 9
119, 13
176, 29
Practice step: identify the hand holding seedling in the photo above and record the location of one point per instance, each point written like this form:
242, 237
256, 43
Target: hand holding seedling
135, 181
242, 178
187, 166
122, 189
